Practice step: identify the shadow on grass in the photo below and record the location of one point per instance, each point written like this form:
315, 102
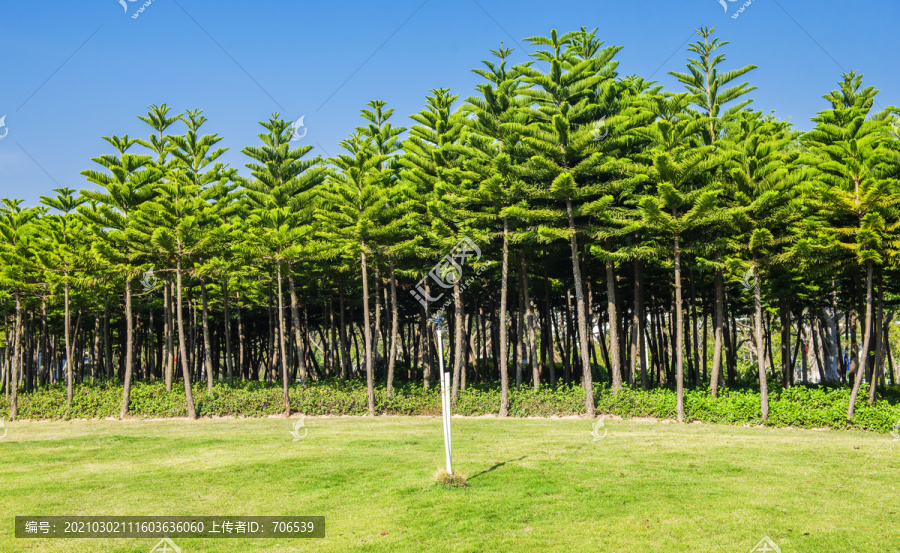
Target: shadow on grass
495, 467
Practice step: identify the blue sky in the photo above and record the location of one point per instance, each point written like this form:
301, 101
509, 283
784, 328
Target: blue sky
73, 72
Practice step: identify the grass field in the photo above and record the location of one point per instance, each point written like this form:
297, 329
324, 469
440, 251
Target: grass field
534, 484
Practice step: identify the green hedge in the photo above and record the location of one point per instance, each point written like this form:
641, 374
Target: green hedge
800, 406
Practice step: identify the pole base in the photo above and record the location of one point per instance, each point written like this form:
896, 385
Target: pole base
450, 479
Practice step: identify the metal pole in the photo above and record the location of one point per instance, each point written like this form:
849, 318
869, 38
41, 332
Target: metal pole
445, 393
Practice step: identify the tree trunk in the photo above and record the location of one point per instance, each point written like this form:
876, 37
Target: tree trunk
241, 337
425, 351
718, 333
837, 332
895, 371
854, 344
129, 350
880, 338
831, 359
151, 347
107, 343
170, 349
367, 333
885, 351
867, 333
760, 346
342, 335
298, 335
376, 336
358, 365
613, 326
704, 355
70, 386
695, 346
43, 368
679, 333
561, 345
817, 357
13, 377
282, 348
428, 347
784, 311
229, 360
395, 323
331, 344
587, 379
529, 325
481, 353
547, 333
307, 347
520, 335
472, 344
207, 347
504, 290
731, 346
182, 347
193, 344
589, 305
661, 346
459, 346
638, 361
95, 350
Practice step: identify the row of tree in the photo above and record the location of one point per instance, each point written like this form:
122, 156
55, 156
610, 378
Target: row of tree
626, 233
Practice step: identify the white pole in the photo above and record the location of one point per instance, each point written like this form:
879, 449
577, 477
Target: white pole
448, 386
445, 393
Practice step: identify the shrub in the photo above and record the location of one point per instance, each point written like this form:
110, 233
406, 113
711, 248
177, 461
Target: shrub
799, 406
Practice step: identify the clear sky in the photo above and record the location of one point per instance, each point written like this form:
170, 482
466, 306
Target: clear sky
73, 72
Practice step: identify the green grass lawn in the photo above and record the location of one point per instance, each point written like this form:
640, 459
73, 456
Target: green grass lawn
534, 484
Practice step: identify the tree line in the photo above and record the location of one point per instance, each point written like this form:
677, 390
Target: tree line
627, 234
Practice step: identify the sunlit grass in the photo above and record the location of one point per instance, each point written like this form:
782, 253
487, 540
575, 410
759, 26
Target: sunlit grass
533, 484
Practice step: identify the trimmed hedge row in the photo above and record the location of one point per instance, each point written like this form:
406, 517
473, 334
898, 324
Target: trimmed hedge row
800, 406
